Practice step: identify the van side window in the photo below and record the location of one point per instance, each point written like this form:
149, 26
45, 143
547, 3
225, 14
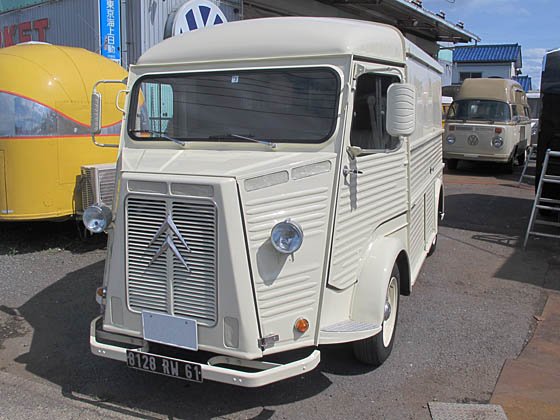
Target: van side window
368, 129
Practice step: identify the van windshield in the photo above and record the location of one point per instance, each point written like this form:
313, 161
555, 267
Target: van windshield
279, 105
479, 109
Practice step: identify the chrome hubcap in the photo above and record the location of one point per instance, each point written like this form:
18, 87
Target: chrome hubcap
390, 311
387, 311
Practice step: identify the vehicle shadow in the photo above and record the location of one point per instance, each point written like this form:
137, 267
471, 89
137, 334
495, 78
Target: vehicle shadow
26, 237
60, 316
496, 170
501, 222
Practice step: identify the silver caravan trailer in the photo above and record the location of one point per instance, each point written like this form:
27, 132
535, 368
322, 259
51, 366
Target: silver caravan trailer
274, 192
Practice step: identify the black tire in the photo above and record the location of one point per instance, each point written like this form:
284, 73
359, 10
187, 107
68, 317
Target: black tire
433, 246
508, 166
452, 164
522, 157
373, 350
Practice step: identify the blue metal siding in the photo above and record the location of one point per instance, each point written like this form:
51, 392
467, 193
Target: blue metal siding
487, 54
525, 81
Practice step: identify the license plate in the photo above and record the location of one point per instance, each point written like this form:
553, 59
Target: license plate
164, 366
170, 330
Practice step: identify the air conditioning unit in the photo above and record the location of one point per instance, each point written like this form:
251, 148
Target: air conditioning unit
98, 184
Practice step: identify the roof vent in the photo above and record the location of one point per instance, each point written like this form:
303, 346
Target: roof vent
441, 14
416, 2
460, 24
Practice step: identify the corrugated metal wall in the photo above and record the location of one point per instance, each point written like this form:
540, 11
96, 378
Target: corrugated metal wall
146, 19
73, 23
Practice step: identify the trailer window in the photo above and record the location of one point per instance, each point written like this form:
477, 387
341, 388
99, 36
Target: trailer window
369, 129
23, 117
279, 105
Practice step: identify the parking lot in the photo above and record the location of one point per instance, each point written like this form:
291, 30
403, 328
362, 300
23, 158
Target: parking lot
473, 307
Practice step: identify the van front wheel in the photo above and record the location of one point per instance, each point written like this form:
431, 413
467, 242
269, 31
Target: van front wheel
509, 166
375, 350
452, 164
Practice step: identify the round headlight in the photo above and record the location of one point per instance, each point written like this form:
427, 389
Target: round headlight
97, 218
287, 237
497, 142
450, 139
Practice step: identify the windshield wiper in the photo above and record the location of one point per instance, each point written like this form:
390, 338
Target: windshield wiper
247, 137
160, 135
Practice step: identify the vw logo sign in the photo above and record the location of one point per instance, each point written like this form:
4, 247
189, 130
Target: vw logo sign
472, 140
196, 14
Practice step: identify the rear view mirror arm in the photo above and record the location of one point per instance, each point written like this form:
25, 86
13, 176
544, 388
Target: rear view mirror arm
96, 105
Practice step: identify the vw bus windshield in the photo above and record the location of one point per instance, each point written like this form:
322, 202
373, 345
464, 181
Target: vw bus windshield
280, 105
479, 109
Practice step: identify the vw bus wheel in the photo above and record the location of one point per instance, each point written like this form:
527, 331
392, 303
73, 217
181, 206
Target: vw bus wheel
522, 157
508, 166
452, 164
375, 350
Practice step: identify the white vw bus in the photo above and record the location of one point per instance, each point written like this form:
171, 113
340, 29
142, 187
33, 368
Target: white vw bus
278, 189
489, 121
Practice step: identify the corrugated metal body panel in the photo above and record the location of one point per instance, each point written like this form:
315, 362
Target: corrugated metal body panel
146, 21
364, 202
487, 53
416, 246
292, 291
72, 23
423, 158
288, 287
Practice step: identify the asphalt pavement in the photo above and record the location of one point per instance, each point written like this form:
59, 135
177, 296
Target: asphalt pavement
475, 306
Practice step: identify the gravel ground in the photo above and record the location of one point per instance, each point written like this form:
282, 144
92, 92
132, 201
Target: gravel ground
472, 307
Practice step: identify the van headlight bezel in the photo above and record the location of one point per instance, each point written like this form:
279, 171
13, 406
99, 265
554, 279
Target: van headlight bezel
450, 139
286, 237
497, 142
97, 218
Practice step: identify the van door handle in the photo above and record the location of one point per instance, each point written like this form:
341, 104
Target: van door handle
346, 170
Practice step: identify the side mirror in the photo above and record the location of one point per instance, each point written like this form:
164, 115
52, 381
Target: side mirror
401, 109
95, 113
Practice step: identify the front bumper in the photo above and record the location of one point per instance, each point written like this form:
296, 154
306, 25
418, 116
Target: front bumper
266, 372
477, 157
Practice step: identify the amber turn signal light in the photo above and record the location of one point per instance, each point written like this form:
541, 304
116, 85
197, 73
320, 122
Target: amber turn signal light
498, 130
302, 325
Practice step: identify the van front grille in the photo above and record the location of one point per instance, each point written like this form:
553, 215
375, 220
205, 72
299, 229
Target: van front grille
163, 274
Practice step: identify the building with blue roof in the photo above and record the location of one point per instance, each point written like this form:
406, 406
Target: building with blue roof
526, 82
475, 61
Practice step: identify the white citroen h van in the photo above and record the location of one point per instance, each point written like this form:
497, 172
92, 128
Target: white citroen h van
279, 185
488, 121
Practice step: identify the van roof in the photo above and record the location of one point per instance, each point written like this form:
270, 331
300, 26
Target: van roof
505, 90
279, 38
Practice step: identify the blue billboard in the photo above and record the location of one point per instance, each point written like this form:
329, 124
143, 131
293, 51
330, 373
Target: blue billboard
110, 29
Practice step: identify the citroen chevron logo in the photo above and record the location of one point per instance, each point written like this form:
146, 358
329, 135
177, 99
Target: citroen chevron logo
168, 226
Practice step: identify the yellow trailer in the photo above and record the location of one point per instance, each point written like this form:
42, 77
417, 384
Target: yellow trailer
45, 102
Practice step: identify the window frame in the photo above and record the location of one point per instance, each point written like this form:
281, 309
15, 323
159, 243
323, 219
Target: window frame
397, 79
158, 76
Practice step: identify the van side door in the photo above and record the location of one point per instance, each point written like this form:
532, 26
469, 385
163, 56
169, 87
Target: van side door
372, 186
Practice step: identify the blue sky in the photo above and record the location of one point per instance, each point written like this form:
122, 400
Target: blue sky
534, 24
